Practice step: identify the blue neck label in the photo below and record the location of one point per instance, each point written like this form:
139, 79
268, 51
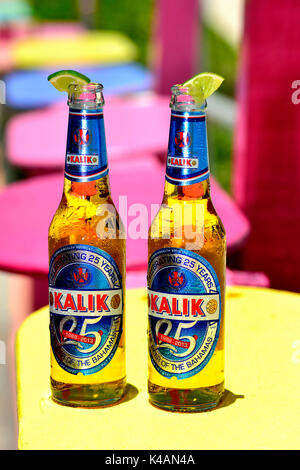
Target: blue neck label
86, 158
187, 161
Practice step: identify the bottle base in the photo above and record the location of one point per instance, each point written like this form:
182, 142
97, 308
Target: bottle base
88, 396
185, 400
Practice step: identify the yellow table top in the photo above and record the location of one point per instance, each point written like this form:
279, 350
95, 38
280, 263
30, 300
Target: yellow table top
88, 48
261, 407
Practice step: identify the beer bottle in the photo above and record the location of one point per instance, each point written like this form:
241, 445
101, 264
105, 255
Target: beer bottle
87, 266
186, 272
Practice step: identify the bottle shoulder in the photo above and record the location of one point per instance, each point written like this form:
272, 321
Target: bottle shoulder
188, 212
192, 225
90, 220
78, 207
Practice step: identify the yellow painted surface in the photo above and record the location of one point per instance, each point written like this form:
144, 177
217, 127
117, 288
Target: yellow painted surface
260, 410
91, 48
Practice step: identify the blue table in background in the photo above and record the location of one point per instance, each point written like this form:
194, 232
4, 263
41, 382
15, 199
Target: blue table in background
30, 89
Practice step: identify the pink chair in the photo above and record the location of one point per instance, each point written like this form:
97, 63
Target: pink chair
267, 150
36, 140
175, 42
246, 278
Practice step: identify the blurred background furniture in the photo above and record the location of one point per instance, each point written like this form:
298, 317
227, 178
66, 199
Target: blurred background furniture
86, 47
266, 172
12, 32
29, 89
136, 184
175, 55
36, 140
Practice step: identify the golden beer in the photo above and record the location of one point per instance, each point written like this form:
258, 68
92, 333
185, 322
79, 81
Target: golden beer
87, 267
186, 272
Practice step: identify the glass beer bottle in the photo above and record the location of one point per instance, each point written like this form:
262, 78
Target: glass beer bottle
186, 272
87, 266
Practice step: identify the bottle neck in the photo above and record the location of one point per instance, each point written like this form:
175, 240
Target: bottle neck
86, 169
187, 169
189, 192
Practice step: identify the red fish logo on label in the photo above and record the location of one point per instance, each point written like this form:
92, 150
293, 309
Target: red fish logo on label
81, 275
176, 279
82, 136
182, 139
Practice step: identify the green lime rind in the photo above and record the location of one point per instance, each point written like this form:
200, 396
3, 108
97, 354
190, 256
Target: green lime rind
203, 85
62, 79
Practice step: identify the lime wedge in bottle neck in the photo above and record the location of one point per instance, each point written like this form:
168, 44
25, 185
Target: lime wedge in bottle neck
203, 85
63, 78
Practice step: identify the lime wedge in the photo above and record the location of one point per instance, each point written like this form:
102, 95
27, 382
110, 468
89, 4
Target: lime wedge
203, 85
63, 78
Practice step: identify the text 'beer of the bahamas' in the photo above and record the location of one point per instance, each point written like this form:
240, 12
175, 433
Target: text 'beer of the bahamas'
186, 272
87, 266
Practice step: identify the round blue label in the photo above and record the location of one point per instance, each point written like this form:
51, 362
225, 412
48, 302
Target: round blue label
184, 312
86, 308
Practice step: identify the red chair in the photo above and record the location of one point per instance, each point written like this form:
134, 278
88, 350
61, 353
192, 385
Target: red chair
175, 42
267, 150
